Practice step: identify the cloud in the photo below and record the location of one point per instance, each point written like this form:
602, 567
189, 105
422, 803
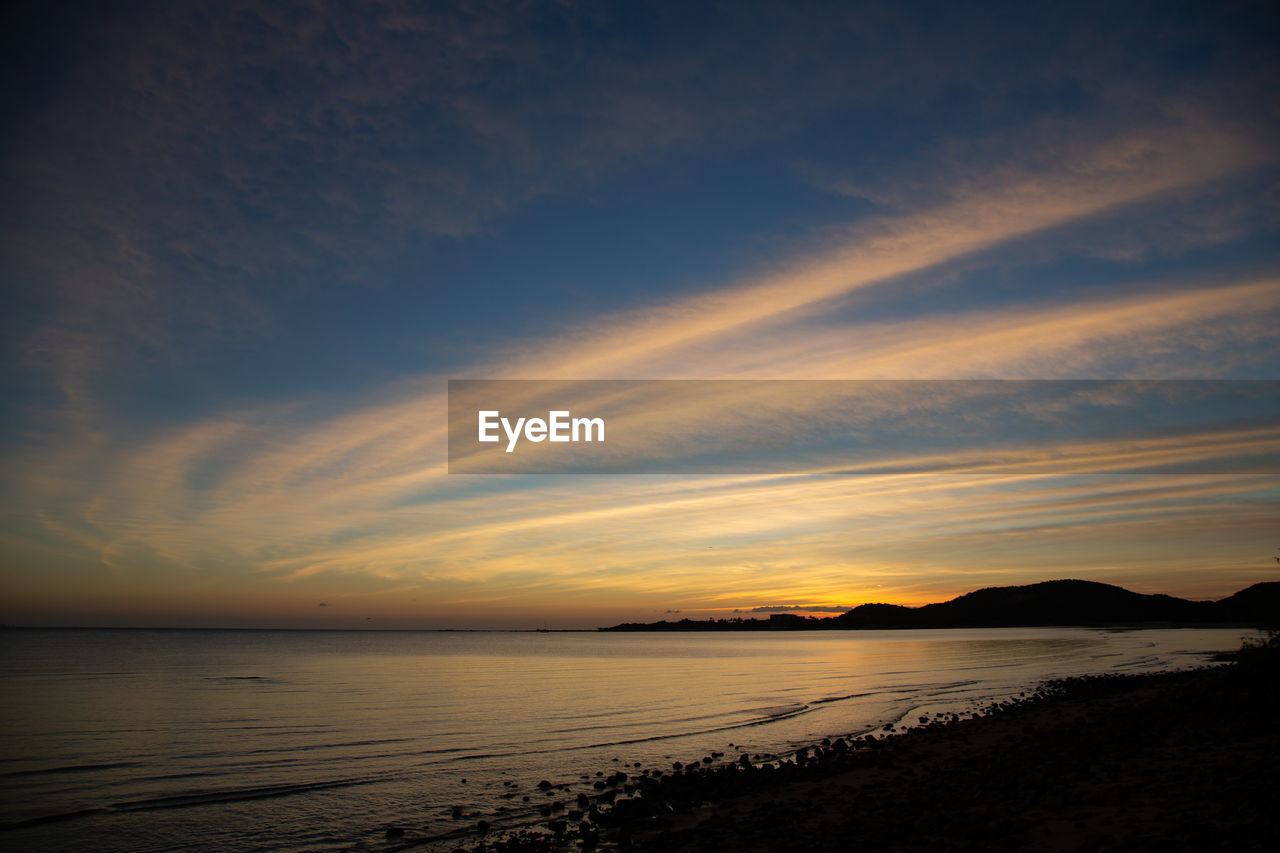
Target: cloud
878, 253
204, 167
365, 494
306, 490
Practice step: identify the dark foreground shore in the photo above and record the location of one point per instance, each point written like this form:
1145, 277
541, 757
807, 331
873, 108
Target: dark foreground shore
1165, 761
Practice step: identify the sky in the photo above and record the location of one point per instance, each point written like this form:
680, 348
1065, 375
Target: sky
246, 245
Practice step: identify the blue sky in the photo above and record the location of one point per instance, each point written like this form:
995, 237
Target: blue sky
245, 246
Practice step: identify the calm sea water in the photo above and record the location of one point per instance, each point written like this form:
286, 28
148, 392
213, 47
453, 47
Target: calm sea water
310, 740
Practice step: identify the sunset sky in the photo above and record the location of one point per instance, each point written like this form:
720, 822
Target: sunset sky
247, 244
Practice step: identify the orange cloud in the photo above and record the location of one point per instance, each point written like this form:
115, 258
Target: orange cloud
273, 495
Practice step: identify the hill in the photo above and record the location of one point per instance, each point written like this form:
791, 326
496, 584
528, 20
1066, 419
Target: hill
1056, 602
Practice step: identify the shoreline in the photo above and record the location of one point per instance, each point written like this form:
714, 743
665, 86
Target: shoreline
1175, 760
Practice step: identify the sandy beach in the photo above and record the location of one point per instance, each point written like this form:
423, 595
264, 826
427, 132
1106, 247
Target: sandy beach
1163, 761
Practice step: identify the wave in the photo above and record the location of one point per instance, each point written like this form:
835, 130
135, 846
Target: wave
71, 768
770, 715
193, 798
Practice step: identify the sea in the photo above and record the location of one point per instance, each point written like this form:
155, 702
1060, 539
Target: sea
204, 740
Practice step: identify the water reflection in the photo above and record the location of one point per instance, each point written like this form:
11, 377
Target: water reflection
352, 728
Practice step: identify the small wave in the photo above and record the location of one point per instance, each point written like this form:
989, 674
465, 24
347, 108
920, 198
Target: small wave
947, 689
305, 747
71, 768
828, 699
910, 709
769, 715
53, 818
1139, 663
774, 715
620, 723
776, 710
195, 798
272, 728
442, 751
233, 795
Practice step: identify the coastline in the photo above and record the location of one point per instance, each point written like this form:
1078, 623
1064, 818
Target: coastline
1179, 760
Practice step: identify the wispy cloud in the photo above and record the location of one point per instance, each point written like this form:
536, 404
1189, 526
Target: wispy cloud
303, 491
876, 254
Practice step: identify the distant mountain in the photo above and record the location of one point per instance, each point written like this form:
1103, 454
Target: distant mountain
876, 616
1063, 602
1058, 602
1260, 602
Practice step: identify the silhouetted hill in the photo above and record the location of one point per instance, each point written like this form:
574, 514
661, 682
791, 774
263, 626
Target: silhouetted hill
1062, 602
876, 616
1058, 602
1257, 603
